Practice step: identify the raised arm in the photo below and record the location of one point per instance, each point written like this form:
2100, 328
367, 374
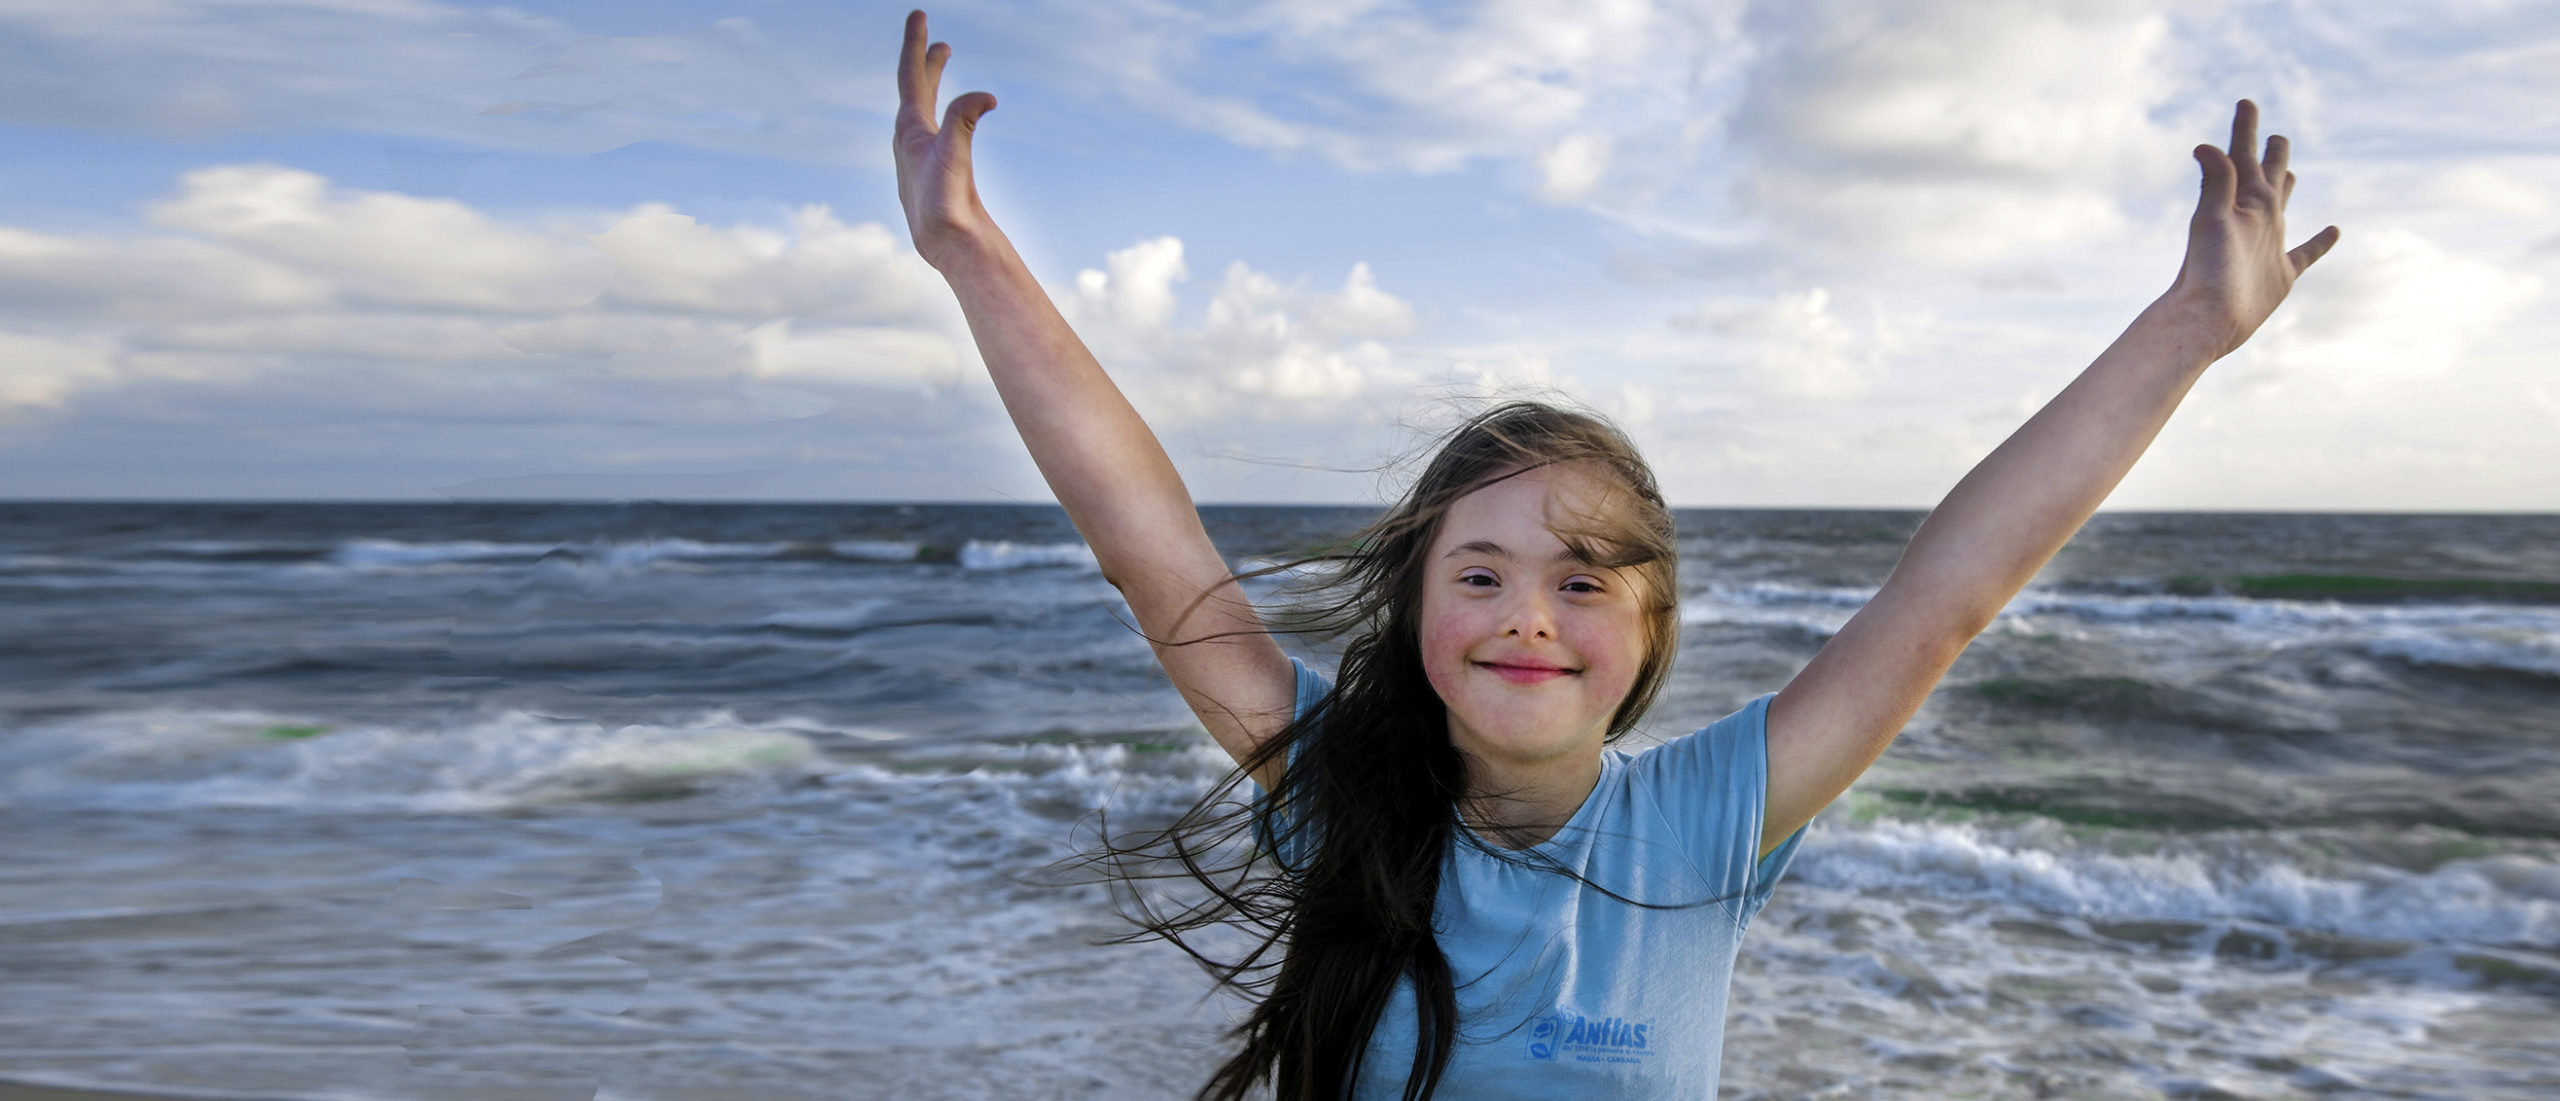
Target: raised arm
2022, 503
1098, 456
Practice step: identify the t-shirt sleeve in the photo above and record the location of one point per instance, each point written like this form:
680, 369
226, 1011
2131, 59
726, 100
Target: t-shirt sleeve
1289, 845
1712, 789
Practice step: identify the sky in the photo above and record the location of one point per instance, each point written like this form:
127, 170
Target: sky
1809, 253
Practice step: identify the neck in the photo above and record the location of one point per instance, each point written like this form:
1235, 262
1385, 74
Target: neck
1516, 805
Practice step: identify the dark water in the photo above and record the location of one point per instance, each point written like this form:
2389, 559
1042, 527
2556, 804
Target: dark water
674, 801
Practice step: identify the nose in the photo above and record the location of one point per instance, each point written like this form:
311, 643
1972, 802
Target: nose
1529, 617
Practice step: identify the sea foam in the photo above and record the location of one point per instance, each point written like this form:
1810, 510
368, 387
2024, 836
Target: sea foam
2510, 900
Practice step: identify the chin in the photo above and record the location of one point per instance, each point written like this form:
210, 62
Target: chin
1533, 744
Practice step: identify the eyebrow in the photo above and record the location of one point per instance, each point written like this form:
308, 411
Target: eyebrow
1487, 546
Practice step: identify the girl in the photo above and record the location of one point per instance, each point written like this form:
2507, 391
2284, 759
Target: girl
1471, 893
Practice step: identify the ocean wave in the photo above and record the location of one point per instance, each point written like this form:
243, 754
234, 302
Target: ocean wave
605, 555
2496, 899
2124, 607
2494, 637
164, 760
394, 554
2255, 611
236, 550
171, 759
31, 563
876, 550
1771, 592
2485, 648
847, 618
999, 554
2504, 899
1819, 611
621, 555
1049, 782
1284, 571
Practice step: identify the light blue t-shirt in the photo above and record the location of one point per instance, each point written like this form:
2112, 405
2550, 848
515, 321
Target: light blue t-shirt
1565, 992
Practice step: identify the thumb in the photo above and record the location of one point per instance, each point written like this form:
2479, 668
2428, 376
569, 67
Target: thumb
963, 113
2221, 184
2309, 252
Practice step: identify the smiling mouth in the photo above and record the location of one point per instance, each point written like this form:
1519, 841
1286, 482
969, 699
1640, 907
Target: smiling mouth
1526, 674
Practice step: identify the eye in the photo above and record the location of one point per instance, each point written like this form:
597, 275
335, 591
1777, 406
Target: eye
1482, 579
1583, 585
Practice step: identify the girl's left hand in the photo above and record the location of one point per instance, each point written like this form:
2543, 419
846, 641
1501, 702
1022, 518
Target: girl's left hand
935, 182
2236, 268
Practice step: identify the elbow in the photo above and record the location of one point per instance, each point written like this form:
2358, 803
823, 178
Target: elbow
1969, 624
1934, 616
1116, 568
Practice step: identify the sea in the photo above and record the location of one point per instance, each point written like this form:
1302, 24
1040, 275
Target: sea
655, 801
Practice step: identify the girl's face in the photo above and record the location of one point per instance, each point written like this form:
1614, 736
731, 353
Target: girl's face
1531, 649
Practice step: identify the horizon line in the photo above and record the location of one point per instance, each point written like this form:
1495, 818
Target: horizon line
1001, 502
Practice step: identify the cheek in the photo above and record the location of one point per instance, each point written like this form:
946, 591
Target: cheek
1444, 646
1614, 653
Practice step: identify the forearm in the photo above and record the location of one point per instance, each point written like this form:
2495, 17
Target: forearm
1096, 453
2009, 516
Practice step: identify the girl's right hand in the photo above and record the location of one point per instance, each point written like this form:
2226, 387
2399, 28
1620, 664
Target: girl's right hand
934, 184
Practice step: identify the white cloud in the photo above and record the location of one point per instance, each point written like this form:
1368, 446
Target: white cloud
49, 277
1796, 346
1137, 292
1958, 224
630, 340
2397, 308
385, 247
1518, 367
1902, 214
1948, 134
2486, 189
1371, 86
1571, 167
489, 77
259, 271
1360, 308
2458, 78
1257, 338
39, 372
870, 356
355, 316
421, 338
1287, 343
665, 260
1953, 134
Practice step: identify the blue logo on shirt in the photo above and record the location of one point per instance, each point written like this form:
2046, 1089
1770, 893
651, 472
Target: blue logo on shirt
1588, 1039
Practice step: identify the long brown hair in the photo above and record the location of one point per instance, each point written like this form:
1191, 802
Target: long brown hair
1370, 784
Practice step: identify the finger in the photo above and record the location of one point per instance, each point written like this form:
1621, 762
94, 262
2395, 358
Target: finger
2244, 138
2220, 184
2279, 151
915, 90
2284, 194
963, 113
2309, 252
934, 59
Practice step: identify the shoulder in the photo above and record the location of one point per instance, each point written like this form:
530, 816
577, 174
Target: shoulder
1711, 785
1312, 687
1733, 748
1276, 828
